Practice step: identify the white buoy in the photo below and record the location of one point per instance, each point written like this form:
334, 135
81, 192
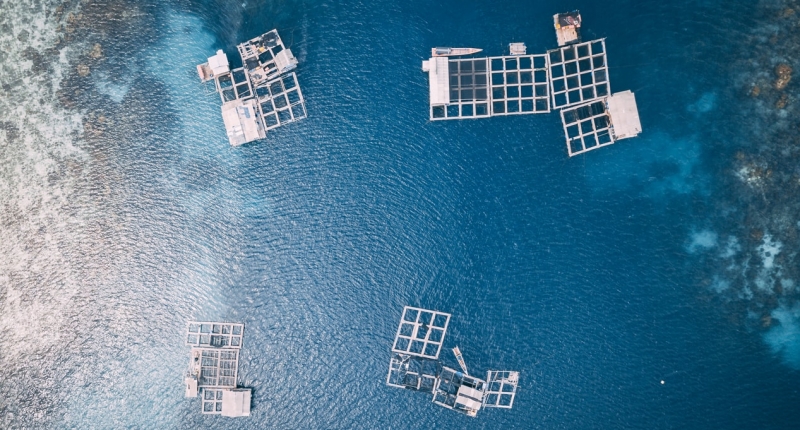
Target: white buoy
662, 382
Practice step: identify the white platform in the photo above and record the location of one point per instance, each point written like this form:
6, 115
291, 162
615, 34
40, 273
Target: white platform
191, 386
438, 76
261, 95
624, 115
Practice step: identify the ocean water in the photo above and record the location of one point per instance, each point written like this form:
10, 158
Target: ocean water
124, 213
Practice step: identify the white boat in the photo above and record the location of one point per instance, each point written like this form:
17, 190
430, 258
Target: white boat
460, 359
453, 52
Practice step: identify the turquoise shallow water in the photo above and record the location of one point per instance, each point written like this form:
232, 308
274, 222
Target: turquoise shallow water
125, 213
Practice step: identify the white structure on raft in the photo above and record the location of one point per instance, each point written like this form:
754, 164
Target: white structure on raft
214, 367
569, 78
568, 27
261, 95
415, 365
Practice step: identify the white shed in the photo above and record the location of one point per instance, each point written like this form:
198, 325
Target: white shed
624, 115
439, 76
236, 403
285, 61
218, 63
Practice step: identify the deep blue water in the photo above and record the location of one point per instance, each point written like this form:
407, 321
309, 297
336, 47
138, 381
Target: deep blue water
582, 273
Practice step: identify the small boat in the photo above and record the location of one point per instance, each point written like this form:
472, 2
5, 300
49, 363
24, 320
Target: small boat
460, 358
453, 52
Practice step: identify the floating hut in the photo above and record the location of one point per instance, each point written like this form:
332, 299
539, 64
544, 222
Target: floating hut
216, 65
214, 366
568, 27
263, 94
415, 365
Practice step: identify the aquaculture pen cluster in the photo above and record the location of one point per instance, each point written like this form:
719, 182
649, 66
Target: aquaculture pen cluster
263, 94
214, 367
573, 78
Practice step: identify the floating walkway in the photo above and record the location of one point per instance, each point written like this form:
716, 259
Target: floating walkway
260, 96
415, 365
214, 367
569, 78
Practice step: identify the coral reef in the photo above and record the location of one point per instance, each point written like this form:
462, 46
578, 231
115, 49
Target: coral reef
758, 202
